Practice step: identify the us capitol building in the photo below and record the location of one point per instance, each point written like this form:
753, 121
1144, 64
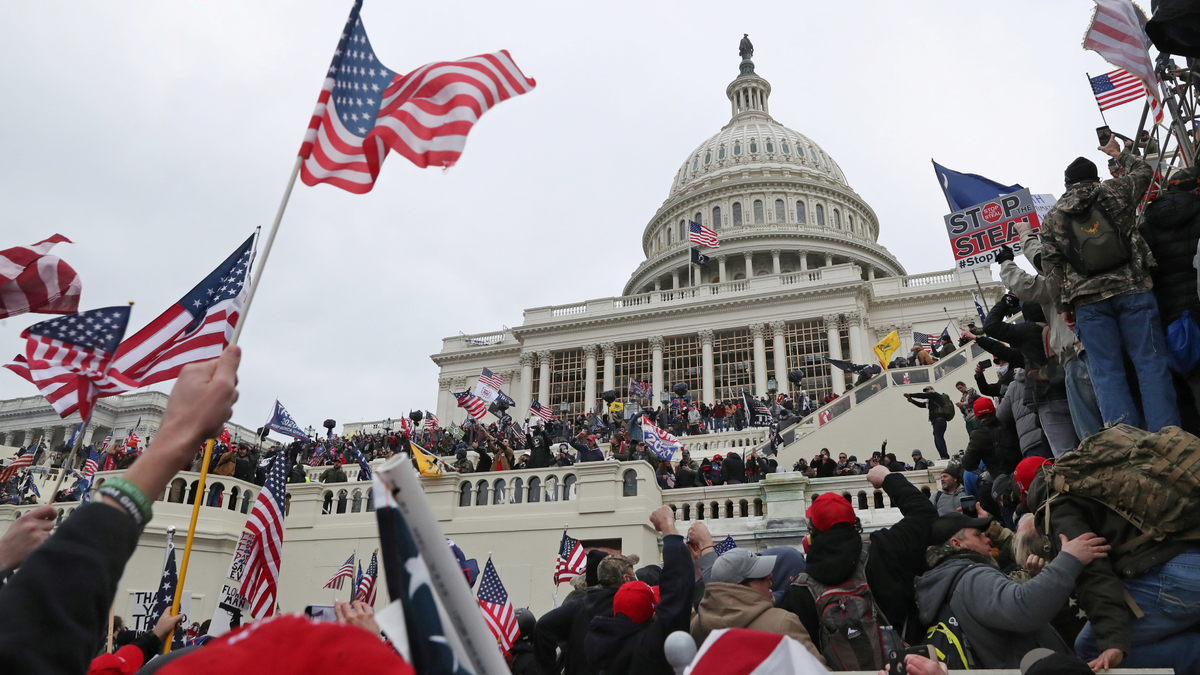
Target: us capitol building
800, 275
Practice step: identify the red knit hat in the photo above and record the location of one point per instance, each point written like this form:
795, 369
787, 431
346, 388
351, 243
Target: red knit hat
984, 406
1027, 470
635, 600
828, 510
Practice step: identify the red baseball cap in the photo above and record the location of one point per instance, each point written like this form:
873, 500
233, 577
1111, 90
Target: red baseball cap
125, 661
635, 600
984, 406
828, 510
1026, 471
591, 437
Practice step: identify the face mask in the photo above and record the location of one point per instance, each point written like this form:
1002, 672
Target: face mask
1001, 370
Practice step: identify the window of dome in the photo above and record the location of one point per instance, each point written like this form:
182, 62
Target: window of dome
683, 230
671, 235
837, 219
753, 147
696, 164
820, 215
784, 145
737, 213
850, 222
813, 154
707, 157
737, 149
716, 221
770, 147
721, 153
699, 218
780, 212
758, 212
800, 212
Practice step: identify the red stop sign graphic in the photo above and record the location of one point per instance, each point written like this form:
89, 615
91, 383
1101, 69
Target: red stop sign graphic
991, 212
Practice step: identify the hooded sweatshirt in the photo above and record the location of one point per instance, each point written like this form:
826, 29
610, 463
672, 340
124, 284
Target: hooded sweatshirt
569, 624
737, 606
1002, 619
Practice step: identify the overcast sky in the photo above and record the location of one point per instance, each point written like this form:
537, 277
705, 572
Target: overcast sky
157, 136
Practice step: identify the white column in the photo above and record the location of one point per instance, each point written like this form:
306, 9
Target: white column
775, 260
544, 376
749, 266
445, 409
706, 367
858, 351
803, 260
777, 337
835, 352
675, 279
871, 273
589, 384
721, 268
760, 359
526, 394
656, 374
828, 259
658, 284
610, 354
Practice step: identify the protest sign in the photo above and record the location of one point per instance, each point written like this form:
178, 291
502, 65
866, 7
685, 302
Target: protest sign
978, 231
241, 555
141, 606
231, 611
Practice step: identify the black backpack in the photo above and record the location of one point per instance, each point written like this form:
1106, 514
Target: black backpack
946, 635
943, 407
1096, 244
855, 635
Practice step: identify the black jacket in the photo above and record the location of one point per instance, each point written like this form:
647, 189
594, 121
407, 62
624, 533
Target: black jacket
54, 610
1029, 338
1172, 228
895, 558
994, 445
523, 662
244, 468
733, 468
617, 645
569, 624
540, 455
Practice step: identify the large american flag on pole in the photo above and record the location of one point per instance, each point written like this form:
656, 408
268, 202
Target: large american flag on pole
366, 110
929, 342
70, 359
260, 583
1116, 88
369, 583
1118, 33
542, 411
475, 406
498, 612
196, 328
32, 280
17, 464
699, 234
571, 560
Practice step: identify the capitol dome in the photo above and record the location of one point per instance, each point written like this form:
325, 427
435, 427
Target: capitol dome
778, 202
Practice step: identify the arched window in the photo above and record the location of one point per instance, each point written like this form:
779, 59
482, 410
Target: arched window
729, 509
770, 146
700, 511
551, 488
247, 498
683, 230
499, 492
177, 488
716, 221
370, 501
744, 508
481, 489
696, 164
215, 495
721, 153
784, 145
758, 212
849, 222
341, 503
780, 212
800, 218
878, 499
707, 158
758, 507
862, 500
58, 521
192, 492
753, 147
535, 489
699, 218
737, 149
629, 481
517, 488
714, 511
820, 215
837, 219
464, 494
670, 236
569, 482
737, 213
233, 498
687, 511
356, 502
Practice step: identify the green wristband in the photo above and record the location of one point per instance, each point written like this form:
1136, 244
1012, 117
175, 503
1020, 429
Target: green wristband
129, 495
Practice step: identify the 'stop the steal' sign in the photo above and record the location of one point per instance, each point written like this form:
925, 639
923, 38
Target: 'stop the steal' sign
978, 231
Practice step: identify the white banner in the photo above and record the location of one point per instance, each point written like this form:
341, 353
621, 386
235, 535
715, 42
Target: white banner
141, 604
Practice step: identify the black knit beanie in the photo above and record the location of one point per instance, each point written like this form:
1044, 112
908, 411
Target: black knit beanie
594, 557
1080, 171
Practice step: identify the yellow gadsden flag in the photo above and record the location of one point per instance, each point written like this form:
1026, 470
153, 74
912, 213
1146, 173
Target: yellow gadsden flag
886, 347
426, 464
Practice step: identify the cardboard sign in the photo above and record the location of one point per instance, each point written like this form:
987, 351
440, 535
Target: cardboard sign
141, 604
241, 555
977, 232
231, 611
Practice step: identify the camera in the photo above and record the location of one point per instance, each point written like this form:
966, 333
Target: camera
986, 363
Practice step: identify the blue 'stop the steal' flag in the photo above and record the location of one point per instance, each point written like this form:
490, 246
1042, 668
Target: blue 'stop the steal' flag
968, 189
282, 422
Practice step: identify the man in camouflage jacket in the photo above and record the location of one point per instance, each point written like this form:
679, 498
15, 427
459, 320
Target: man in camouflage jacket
1114, 310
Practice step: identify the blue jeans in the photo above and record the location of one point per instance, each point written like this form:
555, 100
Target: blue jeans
939, 438
1169, 595
1081, 397
1128, 323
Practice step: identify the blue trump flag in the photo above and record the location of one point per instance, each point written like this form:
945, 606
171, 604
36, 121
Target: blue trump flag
968, 189
282, 422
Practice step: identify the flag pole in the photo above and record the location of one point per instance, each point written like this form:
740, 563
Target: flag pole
191, 535
287, 194
1089, 77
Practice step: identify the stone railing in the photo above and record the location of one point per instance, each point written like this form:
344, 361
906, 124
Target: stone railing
478, 340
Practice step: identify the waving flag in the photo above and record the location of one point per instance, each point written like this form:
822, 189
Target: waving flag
32, 280
1118, 33
367, 586
497, 608
406, 425
755, 652
282, 422
431, 422
165, 596
1116, 88
90, 466
725, 546
17, 464
365, 110
364, 469
30, 486
929, 342
968, 189
699, 234
70, 359
488, 386
540, 410
475, 406
261, 579
757, 412
571, 560
427, 465
343, 573
197, 328
659, 441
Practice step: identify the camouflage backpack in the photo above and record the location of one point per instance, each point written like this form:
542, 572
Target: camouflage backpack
1151, 480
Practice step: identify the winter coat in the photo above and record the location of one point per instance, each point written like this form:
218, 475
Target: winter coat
923, 358
226, 464
1015, 414
733, 468
896, 556
523, 662
1033, 288
540, 456
333, 474
244, 470
570, 624
1002, 620
737, 606
1172, 228
1031, 338
948, 502
617, 645
993, 445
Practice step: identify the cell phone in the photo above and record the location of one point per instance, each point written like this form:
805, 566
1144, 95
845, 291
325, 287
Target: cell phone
986, 363
896, 657
1104, 134
968, 507
320, 613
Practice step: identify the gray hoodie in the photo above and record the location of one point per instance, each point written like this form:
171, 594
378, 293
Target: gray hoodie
1001, 619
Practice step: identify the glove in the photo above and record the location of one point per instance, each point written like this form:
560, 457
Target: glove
1011, 302
1005, 254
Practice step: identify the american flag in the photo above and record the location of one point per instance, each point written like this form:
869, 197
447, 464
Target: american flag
90, 466
475, 406
491, 379
754, 651
1118, 33
366, 110
431, 422
31, 280
344, 572
701, 235
196, 328
571, 560
368, 585
164, 598
497, 608
364, 469
1117, 88
259, 585
725, 546
70, 359
520, 440
926, 340
542, 411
